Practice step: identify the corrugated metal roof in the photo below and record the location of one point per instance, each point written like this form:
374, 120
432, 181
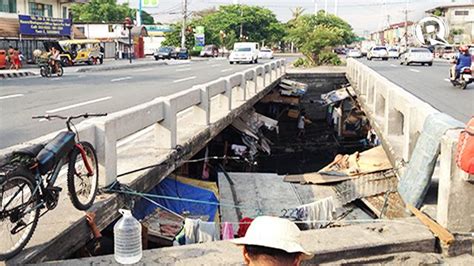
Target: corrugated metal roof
366, 185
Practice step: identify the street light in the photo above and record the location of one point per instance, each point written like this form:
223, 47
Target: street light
127, 23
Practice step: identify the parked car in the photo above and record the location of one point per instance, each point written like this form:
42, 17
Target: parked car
165, 52
183, 54
244, 52
378, 52
416, 55
210, 51
393, 53
355, 53
448, 52
265, 53
340, 50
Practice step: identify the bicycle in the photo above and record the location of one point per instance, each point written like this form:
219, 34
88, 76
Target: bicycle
27, 183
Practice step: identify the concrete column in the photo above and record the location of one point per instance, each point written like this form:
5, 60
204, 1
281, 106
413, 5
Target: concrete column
106, 147
455, 209
227, 95
243, 86
203, 110
166, 130
393, 118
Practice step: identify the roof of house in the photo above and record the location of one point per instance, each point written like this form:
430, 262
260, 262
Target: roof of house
448, 6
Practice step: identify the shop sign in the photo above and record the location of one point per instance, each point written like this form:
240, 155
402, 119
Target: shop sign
39, 26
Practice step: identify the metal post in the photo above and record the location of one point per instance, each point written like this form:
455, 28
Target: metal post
325, 7
335, 8
315, 7
183, 30
130, 44
139, 13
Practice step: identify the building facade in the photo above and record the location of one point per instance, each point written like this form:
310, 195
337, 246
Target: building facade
11, 34
395, 35
459, 19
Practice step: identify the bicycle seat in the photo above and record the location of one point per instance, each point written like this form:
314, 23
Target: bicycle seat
31, 151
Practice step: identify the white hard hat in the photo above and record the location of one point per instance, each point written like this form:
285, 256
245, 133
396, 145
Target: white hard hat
274, 232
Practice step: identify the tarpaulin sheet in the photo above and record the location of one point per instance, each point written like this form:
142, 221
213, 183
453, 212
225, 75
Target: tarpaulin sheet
415, 182
175, 188
337, 95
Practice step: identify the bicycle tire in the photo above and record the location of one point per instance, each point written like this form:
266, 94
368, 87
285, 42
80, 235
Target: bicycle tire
22, 175
72, 176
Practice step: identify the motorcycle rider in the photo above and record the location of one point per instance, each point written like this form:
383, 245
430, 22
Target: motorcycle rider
54, 59
462, 60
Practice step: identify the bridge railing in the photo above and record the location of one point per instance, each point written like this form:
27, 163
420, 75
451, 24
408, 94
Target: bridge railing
207, 102
398, 116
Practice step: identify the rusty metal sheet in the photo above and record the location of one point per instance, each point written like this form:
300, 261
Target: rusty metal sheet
366, 186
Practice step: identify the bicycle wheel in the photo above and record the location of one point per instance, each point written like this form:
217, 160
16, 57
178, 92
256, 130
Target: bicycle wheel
19, 212
82, 186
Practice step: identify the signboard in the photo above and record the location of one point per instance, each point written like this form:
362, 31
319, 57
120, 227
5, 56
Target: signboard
158, 28
199, 38
37, 26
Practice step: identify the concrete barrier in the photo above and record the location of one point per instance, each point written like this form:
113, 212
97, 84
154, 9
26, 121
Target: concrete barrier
398, 118
208, 102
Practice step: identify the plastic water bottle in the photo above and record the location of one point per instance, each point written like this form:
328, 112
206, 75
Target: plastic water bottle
127, 239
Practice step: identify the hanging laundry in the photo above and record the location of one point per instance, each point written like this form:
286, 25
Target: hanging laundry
318, 213
244, 224
197, 231
227, 231
238, 149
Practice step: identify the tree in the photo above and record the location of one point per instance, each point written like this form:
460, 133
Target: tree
315, 34
106, 11
258, 25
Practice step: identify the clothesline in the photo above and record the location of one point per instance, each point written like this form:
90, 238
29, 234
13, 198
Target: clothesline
146, 195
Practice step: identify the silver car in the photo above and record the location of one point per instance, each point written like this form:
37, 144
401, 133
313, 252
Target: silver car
378, 52
416, 55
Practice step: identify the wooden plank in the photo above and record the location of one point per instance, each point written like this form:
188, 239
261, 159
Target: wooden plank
443, 234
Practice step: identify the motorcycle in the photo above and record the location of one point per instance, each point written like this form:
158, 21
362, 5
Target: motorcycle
465, 78
46, 69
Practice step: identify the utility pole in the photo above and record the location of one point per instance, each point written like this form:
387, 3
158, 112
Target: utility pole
241, 24
335, 7
315, 7
406, 11
183, 29
325, 7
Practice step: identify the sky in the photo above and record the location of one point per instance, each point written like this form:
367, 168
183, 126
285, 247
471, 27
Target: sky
364, 15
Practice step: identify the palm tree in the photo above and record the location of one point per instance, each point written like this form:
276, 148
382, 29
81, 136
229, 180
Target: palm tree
297, 12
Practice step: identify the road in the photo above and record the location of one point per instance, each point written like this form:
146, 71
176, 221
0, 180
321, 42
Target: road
431, 84
107, 91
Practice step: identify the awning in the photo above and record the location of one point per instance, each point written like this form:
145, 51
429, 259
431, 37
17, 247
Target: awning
9, 27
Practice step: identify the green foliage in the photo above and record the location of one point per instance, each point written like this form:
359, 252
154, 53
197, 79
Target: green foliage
438, 13
457, 31
313, 34
173, 38
100, 11
258, 25
301, 62
329, 58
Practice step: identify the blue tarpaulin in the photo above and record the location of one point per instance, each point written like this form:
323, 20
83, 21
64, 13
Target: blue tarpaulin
172, 187
414, 184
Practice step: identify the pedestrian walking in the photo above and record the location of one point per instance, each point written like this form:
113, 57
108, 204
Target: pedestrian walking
10, 56
272, 241
301, 124
15, 59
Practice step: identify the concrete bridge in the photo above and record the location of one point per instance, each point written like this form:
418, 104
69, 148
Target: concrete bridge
167, 131
399, 118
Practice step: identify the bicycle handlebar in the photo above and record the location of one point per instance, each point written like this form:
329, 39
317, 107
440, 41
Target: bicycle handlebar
69, 118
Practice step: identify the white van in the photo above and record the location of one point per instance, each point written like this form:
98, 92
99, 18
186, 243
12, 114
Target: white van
244, 52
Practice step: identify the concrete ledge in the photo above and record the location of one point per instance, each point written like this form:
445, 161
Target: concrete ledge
328, 244
15, 74
135, 64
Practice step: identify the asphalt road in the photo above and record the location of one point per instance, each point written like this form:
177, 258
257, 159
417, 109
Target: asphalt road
431, 84
107, 91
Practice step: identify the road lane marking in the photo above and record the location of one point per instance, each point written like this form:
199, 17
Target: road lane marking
78, 105
11, 96
120, 79
414, 70
392, 65
185, 79
183, 69
183, 65
57, 78
142, 70
227, 69
216, 65
447, 80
